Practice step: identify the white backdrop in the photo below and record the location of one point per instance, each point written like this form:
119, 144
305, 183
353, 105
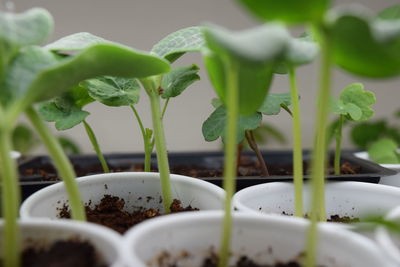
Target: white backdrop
140, 24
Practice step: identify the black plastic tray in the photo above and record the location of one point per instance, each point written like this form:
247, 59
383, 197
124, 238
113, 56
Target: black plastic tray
370, 172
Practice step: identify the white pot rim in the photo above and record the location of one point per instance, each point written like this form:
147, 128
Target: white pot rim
382, 236
107, 178
129, 239
365, 187
364, 155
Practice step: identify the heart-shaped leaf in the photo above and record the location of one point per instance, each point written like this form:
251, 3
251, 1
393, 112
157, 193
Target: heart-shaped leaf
363, 45
66, 110
77, 41
254, 51
214, 126
287, 10
384, 151
178, 79
112, 91
274, 102
40, 83
355, 103
178, 43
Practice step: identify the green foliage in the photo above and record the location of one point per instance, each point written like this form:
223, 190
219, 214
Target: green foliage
178, 79
364, 134
24, 139
274, 102
365, 45
178, 43
254, 52
390, 13
113, 91
76, 42
68, 145
354, 103
384, 151
287, 10
32, 27
215, 125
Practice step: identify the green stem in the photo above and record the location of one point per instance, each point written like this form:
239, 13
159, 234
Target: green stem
96, 147
146, 134
161, 149
62, 164
318, 163
230, 159
165, 108
253, 145
338, 133
297, 146
10, 201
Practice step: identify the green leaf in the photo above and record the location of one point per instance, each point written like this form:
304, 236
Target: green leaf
24, 139
351, 110
112, 91
254, 51
273, 103
214, 126
390, 13
176, 81
178, 43
363, 45
287, 10
68, 145
77, 41
355, 95
216, 102
38, 84
65, 114
363, 134
383, 151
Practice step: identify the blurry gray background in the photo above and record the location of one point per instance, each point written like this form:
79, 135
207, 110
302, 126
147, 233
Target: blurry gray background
142, 23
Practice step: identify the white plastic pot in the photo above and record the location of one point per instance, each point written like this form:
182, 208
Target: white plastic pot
392, 180
41, 233
189, 238
136, 188
352, 199
389, 241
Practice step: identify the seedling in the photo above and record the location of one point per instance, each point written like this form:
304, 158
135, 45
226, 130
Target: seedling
215, 125
240, 67
353, 105
384, 151
34, 74
351, 38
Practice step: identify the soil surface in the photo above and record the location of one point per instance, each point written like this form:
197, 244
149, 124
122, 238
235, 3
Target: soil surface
334, 218
70, 253
248, 167
246, 262
110, 212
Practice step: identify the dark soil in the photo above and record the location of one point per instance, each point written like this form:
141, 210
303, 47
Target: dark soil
72, 253
110, 213
246, 262
248, 167
334, 218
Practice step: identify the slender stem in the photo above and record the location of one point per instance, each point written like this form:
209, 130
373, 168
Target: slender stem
253, 145
96, 147
164, 108
146, 134
239, 156
230, 158
162, 155
297, 146
319, 151
10, 201
338, 133
62, 163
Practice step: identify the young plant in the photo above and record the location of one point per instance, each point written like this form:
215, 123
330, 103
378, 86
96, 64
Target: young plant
353, 105
33, 74
384, 151
215, 125
240, 67
354, 40
66, 111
